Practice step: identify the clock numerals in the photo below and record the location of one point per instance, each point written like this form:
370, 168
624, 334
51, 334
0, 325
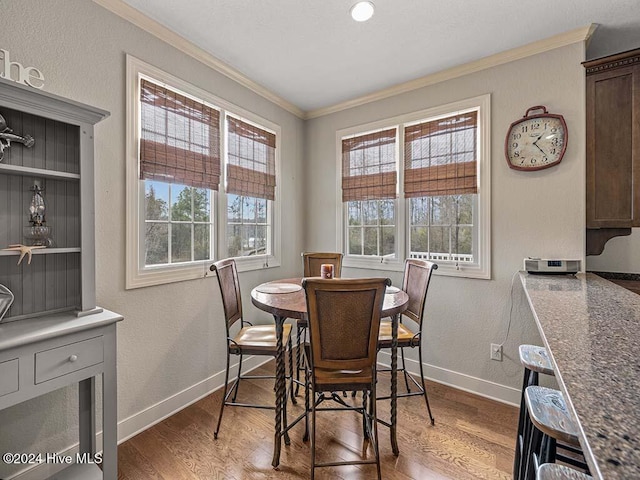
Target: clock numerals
533, 161
536, 141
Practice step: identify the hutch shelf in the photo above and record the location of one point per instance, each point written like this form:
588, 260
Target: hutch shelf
54, 335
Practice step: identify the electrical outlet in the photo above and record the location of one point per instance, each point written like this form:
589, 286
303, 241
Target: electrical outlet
496, 352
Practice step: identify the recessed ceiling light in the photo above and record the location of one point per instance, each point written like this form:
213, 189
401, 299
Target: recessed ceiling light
362, 11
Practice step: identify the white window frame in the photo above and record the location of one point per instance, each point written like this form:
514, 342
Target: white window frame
139, 275
482, 206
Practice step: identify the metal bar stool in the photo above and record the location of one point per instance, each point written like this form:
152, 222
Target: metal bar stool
535, 360
551, 421
553, 471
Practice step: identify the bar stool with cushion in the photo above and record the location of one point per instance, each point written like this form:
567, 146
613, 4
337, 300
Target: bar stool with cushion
551, 422
311, 262
344, 320
250, 339
553, 471
415, 282
535, 360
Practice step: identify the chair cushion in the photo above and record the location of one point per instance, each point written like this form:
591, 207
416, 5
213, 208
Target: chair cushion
549, 413
405, 336
259, 339
535, 358
553, 471
330, 380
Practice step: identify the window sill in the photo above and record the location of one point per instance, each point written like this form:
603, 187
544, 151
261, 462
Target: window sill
444, 268
246, 264
151, 276
376, 263
161, 275
464, 271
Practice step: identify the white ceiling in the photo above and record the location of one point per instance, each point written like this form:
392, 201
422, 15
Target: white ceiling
311, 53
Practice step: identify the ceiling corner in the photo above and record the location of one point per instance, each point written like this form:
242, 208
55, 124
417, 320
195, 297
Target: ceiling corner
140, 20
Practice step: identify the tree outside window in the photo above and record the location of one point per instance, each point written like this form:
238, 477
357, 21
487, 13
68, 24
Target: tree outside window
247, 226
177, 223
372, 229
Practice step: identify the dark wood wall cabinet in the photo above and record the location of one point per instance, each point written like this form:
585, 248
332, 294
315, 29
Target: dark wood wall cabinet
613, 147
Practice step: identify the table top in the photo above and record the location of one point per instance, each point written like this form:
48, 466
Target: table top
591, 328
294, 304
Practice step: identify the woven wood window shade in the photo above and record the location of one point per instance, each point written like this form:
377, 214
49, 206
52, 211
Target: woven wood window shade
440, 156
180, 138
251, 169
369, 166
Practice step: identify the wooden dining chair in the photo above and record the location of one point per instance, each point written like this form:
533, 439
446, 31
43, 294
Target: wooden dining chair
344, 321
415, 283
249, 340
311, 262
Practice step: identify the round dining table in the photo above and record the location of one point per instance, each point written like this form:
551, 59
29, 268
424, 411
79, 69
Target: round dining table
286, 299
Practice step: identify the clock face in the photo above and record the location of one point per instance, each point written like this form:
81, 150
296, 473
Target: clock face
536, 142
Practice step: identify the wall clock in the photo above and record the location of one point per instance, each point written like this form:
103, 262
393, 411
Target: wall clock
536, 141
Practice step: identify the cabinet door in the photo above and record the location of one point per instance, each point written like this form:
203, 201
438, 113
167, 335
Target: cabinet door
613, 148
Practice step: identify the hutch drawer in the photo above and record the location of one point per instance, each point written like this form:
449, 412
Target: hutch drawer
67, 359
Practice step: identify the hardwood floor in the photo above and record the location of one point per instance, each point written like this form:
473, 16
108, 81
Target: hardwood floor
473, 438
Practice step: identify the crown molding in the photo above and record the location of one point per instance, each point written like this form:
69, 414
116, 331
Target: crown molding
582, 34
140, 20
122, 9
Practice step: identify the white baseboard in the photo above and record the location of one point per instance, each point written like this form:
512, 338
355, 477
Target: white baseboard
138, 422
461, 381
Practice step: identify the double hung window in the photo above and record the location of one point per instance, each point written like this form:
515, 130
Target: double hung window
369, 182
251, 184
180, 167
201, 181
429, 199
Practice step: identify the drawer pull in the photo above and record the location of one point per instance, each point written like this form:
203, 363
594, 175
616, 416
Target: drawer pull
67, 359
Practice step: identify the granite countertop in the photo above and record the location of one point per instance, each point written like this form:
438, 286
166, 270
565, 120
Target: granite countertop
591, 328
630, 281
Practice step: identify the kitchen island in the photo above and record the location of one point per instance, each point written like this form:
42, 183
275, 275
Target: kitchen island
591, 329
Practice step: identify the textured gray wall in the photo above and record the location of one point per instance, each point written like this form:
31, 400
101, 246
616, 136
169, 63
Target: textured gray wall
171, 338
608, 40
533, 213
